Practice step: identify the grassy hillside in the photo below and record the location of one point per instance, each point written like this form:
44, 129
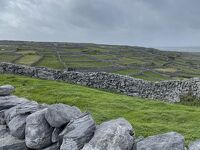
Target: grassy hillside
139, 62
147, 117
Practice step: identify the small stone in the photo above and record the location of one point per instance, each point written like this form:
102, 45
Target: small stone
6, 90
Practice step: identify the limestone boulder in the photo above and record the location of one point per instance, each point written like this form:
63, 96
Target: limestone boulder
24, 108
60, 114
17, 126
167, 141
78, 132
112, 135
38, 132
6, 90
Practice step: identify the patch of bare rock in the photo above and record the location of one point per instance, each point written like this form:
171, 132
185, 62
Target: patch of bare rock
26, 125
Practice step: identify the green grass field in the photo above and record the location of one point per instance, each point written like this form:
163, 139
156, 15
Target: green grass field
147, 117
7, 57
50, 61
29, 59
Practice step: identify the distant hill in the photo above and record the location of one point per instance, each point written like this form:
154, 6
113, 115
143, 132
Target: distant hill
138, 62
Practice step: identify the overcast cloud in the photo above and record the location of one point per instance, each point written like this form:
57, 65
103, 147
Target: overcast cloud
132, 22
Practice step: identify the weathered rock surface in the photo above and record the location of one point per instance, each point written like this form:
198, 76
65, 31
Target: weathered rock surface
60, 114
24, 108
112, 135
194, 145
78, 132
38, 132
8, 142
2, 118
52, 147
3, 130
6, 90
7, 102
55, 135
168, 141
17, 126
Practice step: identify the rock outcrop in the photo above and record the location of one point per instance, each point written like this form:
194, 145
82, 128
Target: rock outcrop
25, 124
166, 90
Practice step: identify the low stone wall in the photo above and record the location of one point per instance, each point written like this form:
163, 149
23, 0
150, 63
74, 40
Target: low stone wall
166, 90
25, 124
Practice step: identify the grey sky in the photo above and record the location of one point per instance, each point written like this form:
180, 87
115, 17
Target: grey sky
132, 22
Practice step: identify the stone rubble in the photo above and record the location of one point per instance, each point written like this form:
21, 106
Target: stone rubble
25, 125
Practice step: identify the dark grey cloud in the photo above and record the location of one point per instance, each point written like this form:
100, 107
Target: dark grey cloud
133, 22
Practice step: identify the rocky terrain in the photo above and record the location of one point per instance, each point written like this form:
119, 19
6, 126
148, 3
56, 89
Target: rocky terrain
169, 91
25, 124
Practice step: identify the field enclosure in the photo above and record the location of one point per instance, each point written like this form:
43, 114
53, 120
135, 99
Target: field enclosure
139, 62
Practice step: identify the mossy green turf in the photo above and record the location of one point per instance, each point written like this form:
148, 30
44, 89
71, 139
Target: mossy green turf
147, 117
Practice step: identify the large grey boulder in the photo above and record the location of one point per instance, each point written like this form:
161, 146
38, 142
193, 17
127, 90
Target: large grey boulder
7, 102
194, 145
167, 141
38, 132
8, 142
24, 108
60, 114
78, 132
17, 126
112, 135
6, 90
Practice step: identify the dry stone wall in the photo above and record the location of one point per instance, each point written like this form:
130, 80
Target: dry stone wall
166, 90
